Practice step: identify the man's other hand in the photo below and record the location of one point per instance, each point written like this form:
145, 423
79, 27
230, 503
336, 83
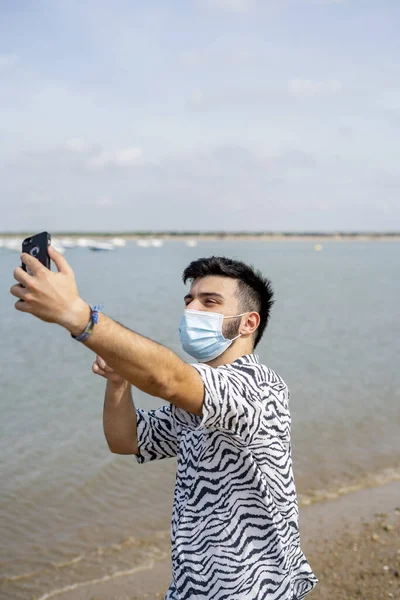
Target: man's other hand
100, 367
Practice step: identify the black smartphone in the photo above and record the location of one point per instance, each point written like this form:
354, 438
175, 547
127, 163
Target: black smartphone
37, 246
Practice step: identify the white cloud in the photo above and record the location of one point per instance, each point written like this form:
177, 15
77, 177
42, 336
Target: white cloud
77, 145
270, 187
301, 88
126, 157
232, 5
7, 61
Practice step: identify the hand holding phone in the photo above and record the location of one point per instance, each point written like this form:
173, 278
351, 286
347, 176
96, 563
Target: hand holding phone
50, 296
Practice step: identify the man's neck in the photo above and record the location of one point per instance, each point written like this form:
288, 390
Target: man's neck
230, 355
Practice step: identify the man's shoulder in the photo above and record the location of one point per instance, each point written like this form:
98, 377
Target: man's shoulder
251, 363
247, 366
261, 374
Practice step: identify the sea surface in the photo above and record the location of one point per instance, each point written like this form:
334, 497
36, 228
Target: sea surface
71, 512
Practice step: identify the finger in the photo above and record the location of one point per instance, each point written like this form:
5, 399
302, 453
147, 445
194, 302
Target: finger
22, 306
18, 291
59, 260
22, 276
96, 369
100, 362
103, 365
32, 263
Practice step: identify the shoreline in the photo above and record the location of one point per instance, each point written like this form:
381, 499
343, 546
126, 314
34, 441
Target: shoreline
352, 544
272, 238
222, 236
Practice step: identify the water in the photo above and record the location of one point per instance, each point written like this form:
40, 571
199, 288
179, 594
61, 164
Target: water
71, 512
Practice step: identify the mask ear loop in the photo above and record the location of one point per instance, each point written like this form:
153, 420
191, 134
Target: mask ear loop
235, 338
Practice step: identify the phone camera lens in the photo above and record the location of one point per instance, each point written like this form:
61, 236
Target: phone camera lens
35, 251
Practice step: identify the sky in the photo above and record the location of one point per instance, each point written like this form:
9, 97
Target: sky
200, 115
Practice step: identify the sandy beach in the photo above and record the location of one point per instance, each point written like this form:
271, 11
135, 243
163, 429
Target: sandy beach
352, 544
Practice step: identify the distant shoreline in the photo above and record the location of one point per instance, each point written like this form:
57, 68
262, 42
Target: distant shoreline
228, 236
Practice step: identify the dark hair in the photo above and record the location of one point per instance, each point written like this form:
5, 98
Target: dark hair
255, 292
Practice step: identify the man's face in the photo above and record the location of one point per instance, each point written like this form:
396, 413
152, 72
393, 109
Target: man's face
216, 294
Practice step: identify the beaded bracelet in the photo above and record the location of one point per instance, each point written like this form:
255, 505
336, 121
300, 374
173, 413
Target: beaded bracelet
94, 319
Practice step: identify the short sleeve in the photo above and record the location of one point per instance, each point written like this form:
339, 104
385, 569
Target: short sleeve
231, 400
156, 434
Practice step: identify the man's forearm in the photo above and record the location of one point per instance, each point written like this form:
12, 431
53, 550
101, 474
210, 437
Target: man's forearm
119, 419
148, 365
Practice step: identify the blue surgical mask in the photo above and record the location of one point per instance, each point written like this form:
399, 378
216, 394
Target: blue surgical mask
201, 335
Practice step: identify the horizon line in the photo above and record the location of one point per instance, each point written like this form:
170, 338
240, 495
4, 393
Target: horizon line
209, 233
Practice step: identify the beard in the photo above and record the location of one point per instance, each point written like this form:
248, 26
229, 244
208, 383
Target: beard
230, 328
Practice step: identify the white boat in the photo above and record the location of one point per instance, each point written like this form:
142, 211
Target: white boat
143, 243
101, 246
119, 242
14, 244
191, 243
68, 243
157, 243
83, 242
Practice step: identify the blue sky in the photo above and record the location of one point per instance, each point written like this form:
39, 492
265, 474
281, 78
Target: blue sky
200, 115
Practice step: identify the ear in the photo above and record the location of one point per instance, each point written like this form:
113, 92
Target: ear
249, 324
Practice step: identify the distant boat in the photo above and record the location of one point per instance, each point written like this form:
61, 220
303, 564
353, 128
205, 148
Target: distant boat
157, 243
14, 244
101, 246
191, 243
151, 242
68, 243
119, 242
84, 242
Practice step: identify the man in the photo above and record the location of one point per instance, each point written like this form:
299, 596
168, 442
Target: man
235, 517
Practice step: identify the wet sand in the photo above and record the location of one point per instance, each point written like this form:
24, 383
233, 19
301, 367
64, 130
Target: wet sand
352, 544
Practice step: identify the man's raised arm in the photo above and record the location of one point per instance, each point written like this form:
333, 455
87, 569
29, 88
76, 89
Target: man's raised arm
53, 297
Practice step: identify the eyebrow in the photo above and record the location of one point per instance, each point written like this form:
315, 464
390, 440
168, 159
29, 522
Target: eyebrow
203, 294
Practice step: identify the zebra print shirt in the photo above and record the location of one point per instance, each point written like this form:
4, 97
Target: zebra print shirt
234, 530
